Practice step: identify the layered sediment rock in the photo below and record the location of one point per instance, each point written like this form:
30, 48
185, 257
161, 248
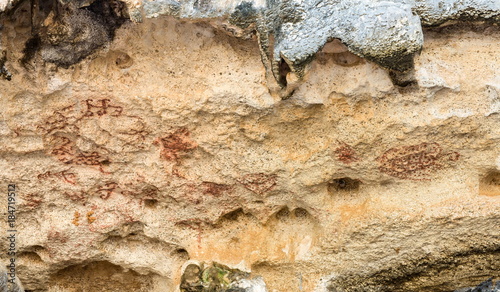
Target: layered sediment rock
141, 149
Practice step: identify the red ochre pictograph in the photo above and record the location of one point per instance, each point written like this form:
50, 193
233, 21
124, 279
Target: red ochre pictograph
258, 183
176, 144
415, 162
345, 153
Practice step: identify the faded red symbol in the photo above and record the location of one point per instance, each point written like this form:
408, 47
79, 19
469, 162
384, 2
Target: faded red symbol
258, 183
61, 128
107, 218
77, 196
137, 136
176, 144
63, 148
149, 193
106, 190
194, 224
65, 119
59, 120
345, 153
101, 107
55, 236
64, 175
415, 162
89, 158
138, 188
66, 151
214, 189
32, 200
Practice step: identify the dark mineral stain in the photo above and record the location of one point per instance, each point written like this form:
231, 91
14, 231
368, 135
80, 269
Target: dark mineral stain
69, 33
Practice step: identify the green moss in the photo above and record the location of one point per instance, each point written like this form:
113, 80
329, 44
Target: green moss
212, 278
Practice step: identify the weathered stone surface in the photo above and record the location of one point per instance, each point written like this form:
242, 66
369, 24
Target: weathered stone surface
165, 147
486, 286
386, 32
204, 277
290, 33
6, 284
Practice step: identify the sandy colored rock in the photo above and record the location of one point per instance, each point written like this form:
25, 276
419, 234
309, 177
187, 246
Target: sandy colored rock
165, 147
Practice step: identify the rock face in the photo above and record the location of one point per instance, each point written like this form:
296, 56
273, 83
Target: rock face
486, 286
161, 156
292, 32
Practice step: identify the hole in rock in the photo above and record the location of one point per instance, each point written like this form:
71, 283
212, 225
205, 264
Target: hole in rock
30, 48
284, 69
403, 79
150, 203
100, 276
34, 248
489, 185
29, 258
346, 59
233, 215
300, 213
182, 253
33, 253
283, 214
123, 60
343, 184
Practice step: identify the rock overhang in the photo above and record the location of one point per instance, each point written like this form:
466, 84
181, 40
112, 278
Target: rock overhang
388, 33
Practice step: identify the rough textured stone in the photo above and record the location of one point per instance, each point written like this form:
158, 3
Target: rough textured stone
6, 285
486, 286
216, 277
290, 32
165, 147
386, 32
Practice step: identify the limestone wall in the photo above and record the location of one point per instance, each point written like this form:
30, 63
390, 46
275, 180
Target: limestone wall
169, 143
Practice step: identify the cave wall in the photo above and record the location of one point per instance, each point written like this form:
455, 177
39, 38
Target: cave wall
169, 142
